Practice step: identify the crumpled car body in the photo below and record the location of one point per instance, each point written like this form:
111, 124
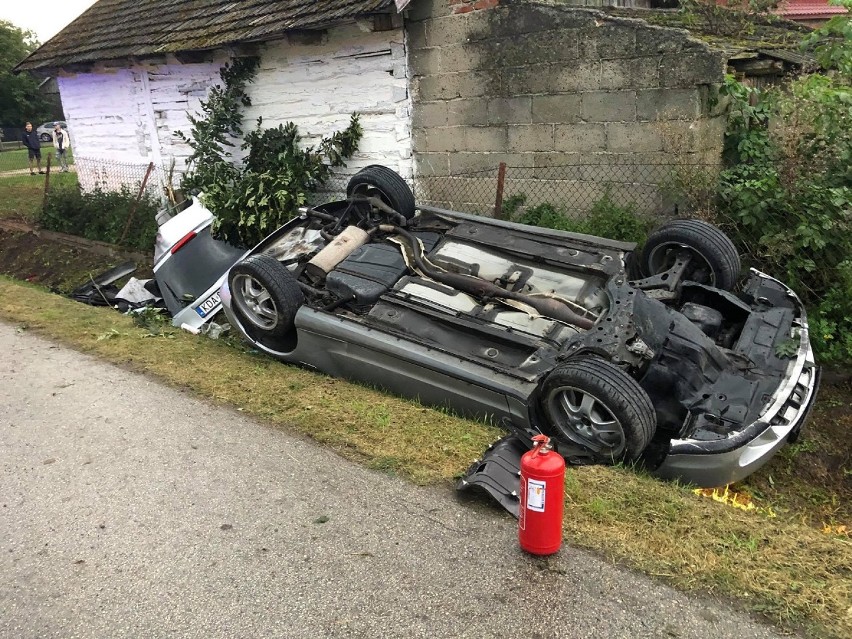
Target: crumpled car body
666, 357
190, 265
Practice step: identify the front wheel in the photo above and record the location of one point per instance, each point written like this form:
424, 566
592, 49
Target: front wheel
714, 258
592, 403
265, 294
44, 137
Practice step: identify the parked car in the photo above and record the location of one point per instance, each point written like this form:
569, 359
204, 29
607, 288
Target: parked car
663, 356
45, 131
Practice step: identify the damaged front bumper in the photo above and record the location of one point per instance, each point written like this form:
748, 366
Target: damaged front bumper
703, 463
717, 463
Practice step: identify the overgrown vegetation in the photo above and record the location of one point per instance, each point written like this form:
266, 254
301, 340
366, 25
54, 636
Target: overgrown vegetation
785, 196
102, 215
606, 218
252, 198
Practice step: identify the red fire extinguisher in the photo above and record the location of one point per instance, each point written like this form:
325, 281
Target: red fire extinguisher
542, 490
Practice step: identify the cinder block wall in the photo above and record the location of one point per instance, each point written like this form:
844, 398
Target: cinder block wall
540, 85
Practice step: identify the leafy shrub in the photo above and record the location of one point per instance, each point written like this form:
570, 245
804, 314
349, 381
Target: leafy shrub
102, 215
252, 199
786, 196
606, 218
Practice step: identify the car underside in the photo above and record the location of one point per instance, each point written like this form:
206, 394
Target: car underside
664, 357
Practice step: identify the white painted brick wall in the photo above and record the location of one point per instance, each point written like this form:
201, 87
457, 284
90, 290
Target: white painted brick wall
316, 86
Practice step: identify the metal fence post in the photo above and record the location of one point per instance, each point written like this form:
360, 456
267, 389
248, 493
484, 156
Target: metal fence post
136, 203
501, 181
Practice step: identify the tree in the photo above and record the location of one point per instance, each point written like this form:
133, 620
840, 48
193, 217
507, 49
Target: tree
20, 99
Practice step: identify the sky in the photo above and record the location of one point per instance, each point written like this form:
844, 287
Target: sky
45, 17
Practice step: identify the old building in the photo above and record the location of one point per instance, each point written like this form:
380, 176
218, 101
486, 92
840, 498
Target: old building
448, 90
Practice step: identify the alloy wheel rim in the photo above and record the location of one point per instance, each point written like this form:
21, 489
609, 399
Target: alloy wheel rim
586, 420
256, 302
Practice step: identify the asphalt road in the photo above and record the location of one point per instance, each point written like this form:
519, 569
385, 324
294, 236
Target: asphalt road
129, 509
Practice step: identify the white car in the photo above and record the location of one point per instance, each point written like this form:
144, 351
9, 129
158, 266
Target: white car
45, 131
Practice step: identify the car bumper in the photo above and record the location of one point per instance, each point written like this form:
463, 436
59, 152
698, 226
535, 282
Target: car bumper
711, 464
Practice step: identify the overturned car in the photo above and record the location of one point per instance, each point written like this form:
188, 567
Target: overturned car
664, 357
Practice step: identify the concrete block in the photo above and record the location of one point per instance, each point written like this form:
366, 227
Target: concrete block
416, 35
579, 138
606, 41
426, 61
692, 69
418, 140
485, 138
537, 78
445, 139
668, 104
558, 109
447, 86
430, 114
654, 41
609, 106
510, 110
460, 57
531, 137
461, 163
467, 112
556, 162
640, 73
640, 137
520, 18
455, 29
583, 76
431, 164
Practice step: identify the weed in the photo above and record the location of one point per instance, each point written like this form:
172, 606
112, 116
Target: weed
606, 218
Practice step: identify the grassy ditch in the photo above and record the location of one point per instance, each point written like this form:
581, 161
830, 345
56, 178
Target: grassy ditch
774, 563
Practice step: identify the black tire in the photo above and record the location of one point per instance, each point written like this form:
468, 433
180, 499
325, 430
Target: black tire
591, 402
45, 137
265, 295
717, 263
379, 181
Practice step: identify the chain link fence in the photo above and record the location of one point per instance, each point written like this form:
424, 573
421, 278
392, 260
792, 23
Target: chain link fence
651, 189
574, 189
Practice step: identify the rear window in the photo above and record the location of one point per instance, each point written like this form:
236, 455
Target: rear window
187, 274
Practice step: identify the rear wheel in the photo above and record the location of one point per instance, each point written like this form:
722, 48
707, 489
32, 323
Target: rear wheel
385, 184
715, 260
592, 403
265, 294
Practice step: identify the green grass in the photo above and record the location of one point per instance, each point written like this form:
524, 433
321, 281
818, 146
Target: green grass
17, 159
22, 196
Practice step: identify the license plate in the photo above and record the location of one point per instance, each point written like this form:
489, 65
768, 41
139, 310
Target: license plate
208, 305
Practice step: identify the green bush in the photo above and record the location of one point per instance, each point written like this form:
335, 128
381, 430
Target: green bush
606, 218
785, 197
102, 215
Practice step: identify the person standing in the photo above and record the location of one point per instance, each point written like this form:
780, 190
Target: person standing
61, 142
33, 144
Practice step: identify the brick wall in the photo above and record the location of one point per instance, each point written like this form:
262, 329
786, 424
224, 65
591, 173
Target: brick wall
540, 86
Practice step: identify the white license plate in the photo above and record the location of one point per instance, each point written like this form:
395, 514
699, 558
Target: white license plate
208, 305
